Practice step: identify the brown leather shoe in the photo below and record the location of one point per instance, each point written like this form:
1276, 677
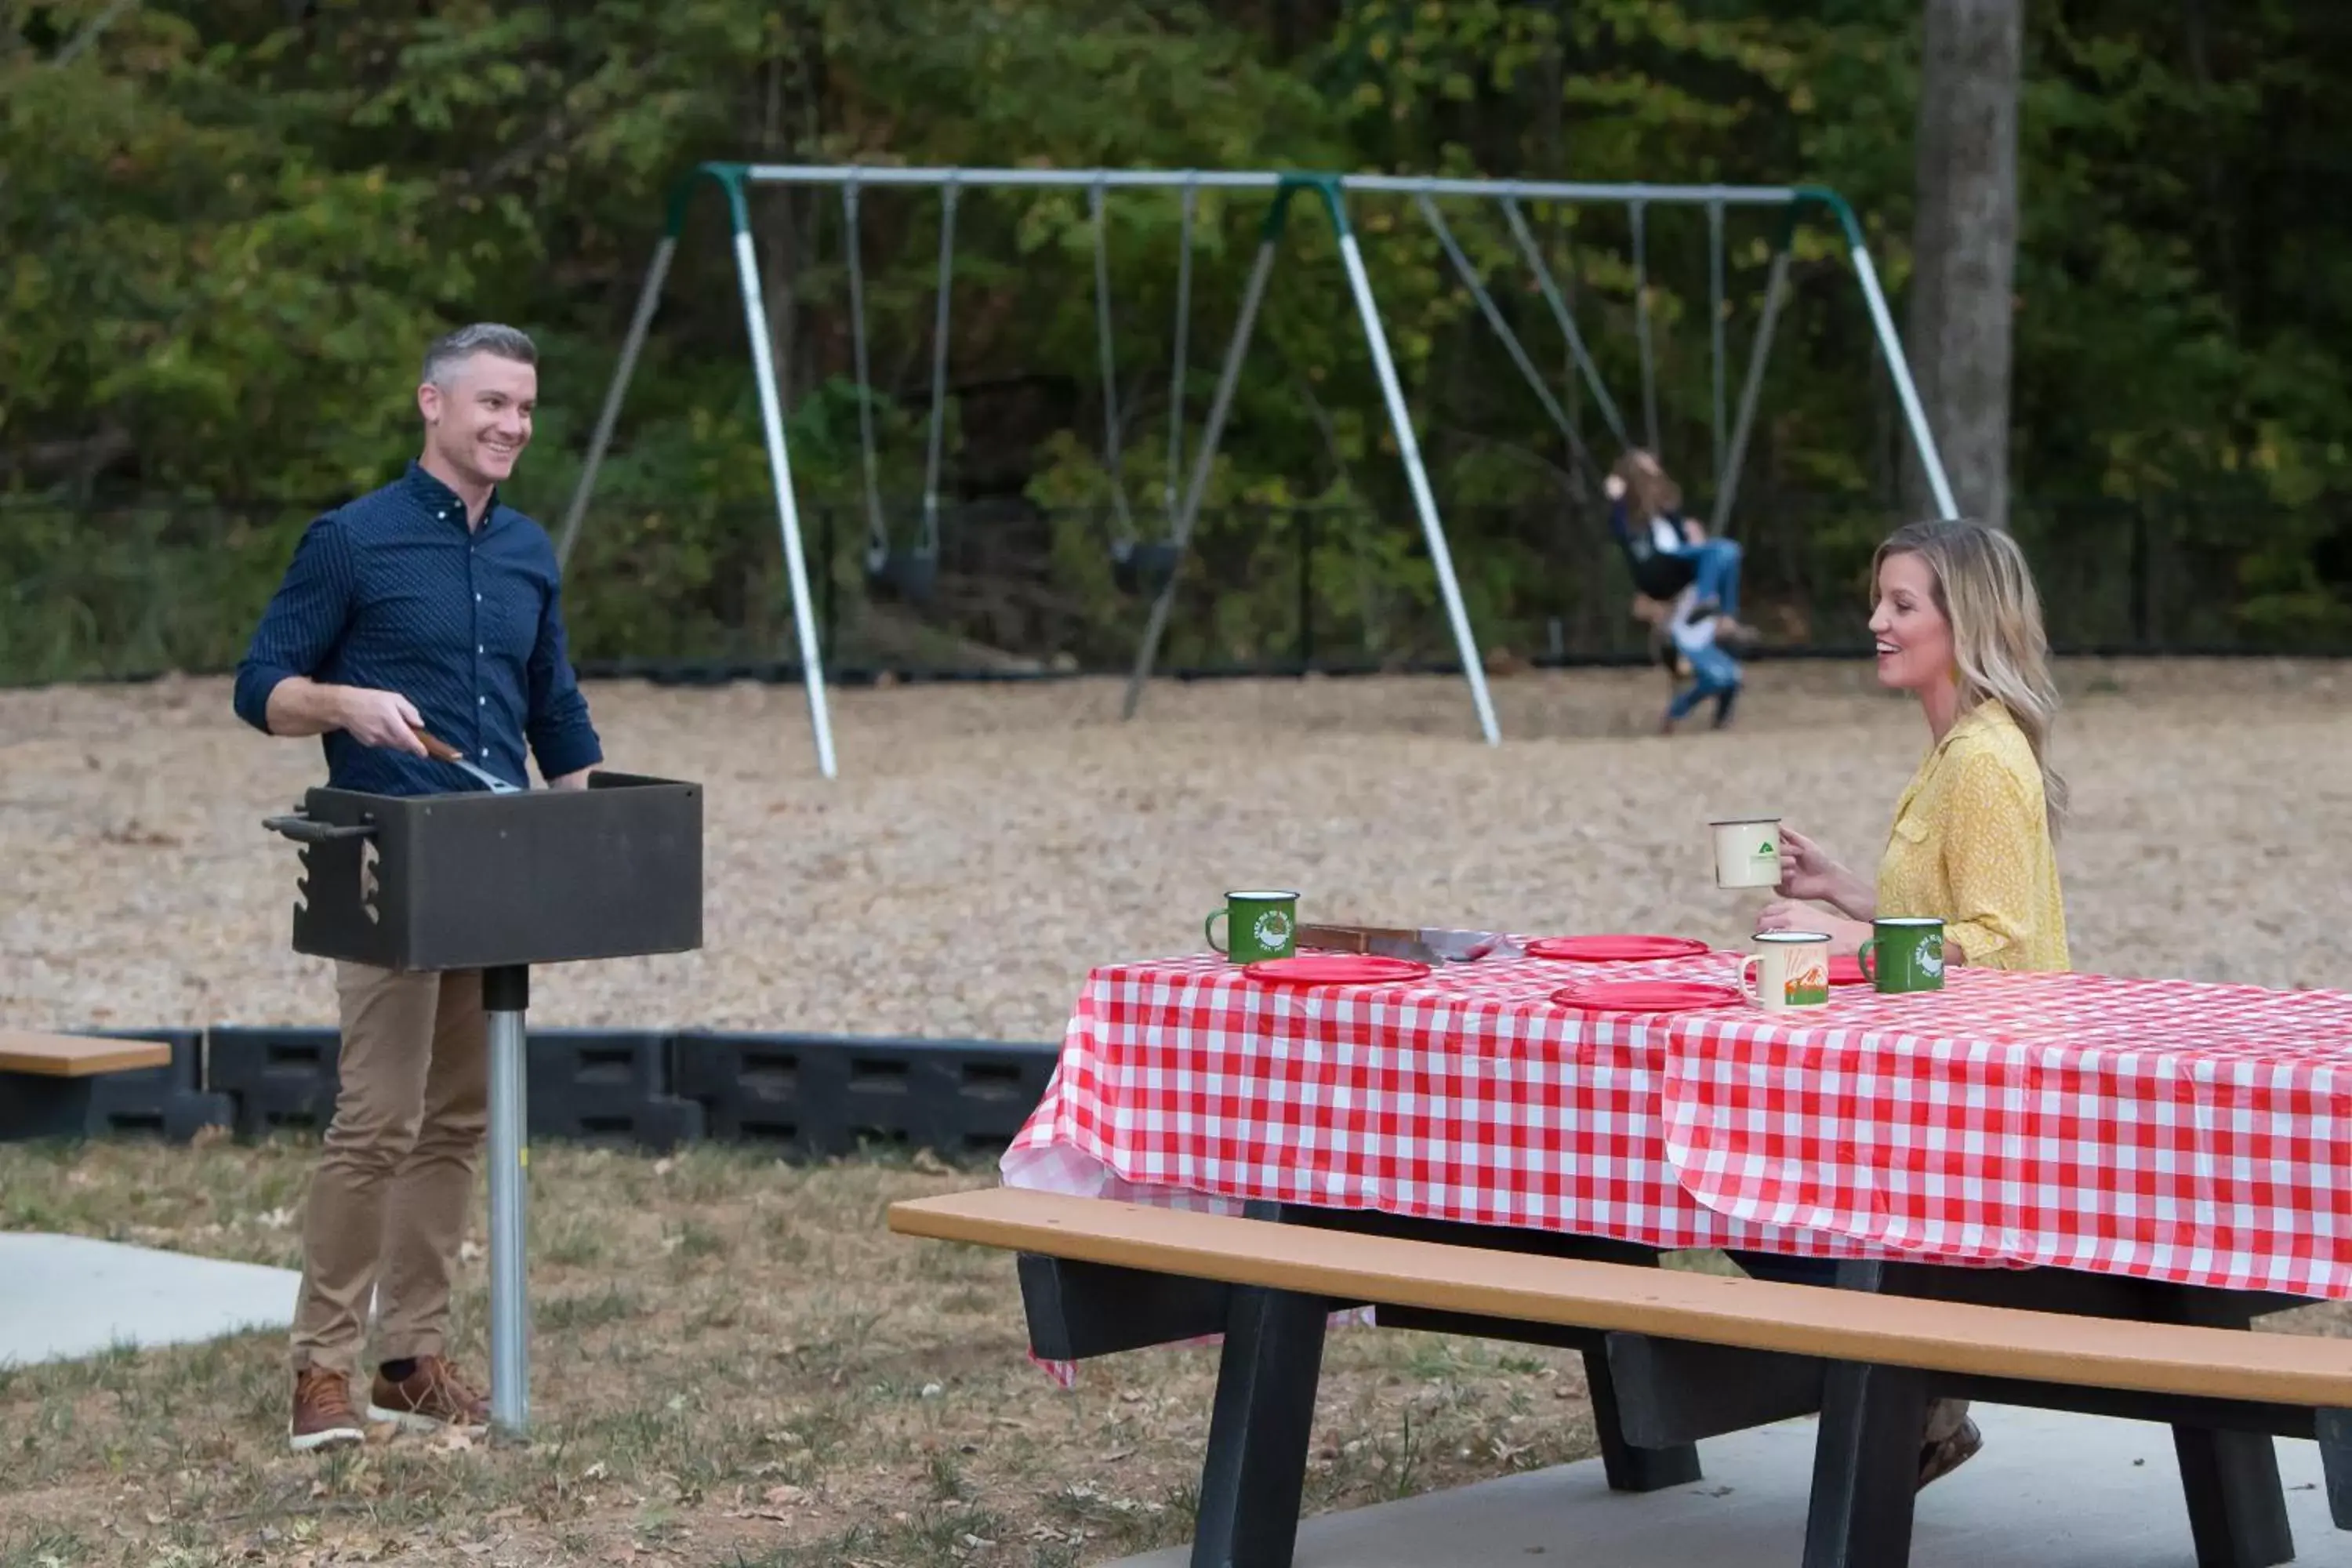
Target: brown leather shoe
323, 1417
433, 1397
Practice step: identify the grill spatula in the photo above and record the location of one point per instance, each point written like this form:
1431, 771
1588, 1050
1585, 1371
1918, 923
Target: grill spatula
442, 750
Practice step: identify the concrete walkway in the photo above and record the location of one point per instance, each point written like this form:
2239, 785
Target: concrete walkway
2050, 1490
62, 1297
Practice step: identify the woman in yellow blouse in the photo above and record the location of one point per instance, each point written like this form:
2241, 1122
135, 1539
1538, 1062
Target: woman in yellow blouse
1958, 625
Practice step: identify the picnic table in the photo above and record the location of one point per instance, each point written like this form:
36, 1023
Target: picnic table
2162, 1151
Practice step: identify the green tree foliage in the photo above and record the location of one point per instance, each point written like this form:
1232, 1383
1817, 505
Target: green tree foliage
227, 229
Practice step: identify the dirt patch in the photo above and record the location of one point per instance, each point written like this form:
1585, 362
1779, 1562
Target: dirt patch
985, 845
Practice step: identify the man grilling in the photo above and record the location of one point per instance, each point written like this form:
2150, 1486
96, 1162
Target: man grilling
425, 608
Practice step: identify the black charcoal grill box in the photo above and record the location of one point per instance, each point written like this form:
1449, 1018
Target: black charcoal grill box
475, 880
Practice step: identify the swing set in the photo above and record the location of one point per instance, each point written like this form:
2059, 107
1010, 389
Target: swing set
910, 570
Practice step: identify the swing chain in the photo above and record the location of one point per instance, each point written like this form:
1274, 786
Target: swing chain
1123, 536
1578, 453
1716, 329
877, 532
929, 546
1533, 252
1637, 212
1184, 326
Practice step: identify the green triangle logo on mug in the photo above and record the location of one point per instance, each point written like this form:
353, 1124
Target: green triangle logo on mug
1747, 851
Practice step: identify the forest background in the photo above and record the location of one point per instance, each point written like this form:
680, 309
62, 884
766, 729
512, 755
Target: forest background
228, 230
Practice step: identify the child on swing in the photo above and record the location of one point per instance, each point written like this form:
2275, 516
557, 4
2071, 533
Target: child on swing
1667, 550
1688, 627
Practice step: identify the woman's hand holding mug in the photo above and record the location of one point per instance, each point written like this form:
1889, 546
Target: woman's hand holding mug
1809, 875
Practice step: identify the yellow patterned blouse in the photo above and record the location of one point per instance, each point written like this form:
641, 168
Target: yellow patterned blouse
1972, 845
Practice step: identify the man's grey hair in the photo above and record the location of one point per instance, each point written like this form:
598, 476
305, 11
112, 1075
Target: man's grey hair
453, 348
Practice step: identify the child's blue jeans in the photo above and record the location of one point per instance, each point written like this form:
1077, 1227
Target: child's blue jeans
1713, 673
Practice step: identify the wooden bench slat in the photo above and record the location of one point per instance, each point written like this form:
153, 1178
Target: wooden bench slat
1754, 1314
77, 1056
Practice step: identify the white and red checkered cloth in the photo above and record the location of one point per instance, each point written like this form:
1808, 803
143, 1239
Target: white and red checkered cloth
2163, 1129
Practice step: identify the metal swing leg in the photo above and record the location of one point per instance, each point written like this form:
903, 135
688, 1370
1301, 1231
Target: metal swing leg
780, 473
632, 345
747, 267
1416, 477
1923, 438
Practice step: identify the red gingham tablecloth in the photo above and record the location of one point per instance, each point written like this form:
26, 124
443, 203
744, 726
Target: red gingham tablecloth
2169, 1130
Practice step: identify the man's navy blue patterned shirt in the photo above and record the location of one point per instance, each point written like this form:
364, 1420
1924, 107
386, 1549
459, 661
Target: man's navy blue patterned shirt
391, 591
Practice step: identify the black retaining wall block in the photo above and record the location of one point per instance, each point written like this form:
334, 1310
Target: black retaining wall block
168, 1101
605, 1085
278, 1078
826, 1094
594, 1084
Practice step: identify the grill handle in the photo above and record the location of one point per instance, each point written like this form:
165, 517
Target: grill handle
303, 830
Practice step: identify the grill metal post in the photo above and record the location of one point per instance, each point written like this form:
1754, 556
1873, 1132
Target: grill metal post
506, 995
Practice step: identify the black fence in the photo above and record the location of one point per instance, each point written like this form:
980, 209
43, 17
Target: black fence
128, 591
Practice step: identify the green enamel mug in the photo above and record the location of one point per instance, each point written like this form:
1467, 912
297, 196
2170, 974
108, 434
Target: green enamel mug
1905, 954
1259, 923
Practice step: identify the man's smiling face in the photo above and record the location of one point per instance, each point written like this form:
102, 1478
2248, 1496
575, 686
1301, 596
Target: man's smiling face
479, 420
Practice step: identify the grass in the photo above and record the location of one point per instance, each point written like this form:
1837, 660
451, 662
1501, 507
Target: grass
733, 1364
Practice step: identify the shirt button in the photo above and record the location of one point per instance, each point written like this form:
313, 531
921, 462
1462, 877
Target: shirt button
482, 702
478, 598
479, 648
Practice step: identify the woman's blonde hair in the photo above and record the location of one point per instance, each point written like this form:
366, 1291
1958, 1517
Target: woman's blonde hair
1650, 491
1986, 591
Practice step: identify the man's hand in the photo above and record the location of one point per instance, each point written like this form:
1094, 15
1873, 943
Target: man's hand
301, 706
577, 779
384, 718
1613, 486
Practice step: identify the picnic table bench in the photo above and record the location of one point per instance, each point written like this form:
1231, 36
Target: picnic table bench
1711, 1354
45, 1079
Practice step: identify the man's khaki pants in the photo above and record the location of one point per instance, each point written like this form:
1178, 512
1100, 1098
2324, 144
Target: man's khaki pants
388, 1203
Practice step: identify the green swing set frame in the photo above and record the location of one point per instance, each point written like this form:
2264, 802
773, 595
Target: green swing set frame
735, 182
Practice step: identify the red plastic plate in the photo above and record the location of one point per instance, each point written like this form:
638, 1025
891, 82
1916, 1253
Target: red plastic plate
1847, 971
1335, 969
1645, 995
1615, 949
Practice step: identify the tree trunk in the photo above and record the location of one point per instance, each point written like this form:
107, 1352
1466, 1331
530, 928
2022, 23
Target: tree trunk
1964, 249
